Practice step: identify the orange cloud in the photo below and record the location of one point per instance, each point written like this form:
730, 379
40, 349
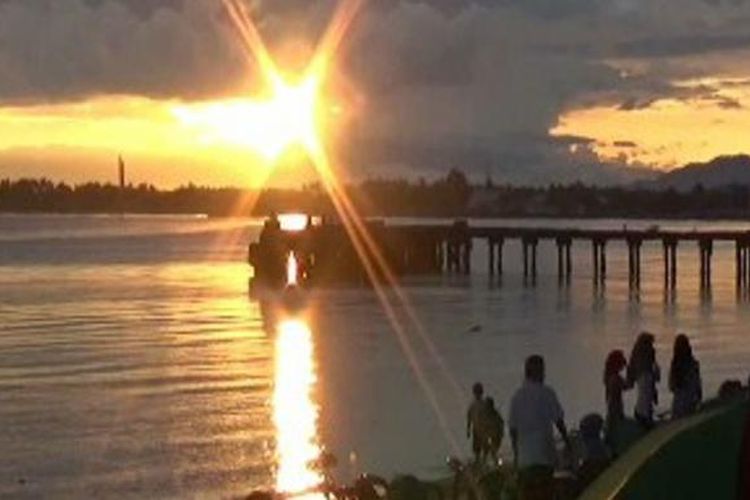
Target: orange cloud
668, 133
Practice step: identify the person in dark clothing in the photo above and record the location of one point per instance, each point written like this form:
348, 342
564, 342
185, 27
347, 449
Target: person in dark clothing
614, 385
595, 454
272, 252
495, 430
684, 379
475, 422
743, 481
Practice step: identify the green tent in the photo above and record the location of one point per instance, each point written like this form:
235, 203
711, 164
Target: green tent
706, 456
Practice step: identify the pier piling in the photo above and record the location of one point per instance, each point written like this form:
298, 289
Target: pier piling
599, 247
670, 262
491, 256
743, 263
500, 242
706, 248
495, 247
440, 255
564, 261
466, 256
529, 256
634, 260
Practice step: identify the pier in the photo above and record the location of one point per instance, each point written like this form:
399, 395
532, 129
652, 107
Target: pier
447, 249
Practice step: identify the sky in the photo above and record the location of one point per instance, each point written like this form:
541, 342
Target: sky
524, 91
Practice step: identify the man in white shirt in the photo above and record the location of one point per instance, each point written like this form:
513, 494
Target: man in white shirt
534, 410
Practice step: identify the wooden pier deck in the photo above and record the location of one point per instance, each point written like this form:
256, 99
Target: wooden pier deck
447, 248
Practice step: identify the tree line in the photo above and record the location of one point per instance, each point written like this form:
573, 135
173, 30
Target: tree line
450, 196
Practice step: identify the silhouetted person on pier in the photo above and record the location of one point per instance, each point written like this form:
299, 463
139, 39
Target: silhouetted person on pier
684, 379
476, 418
305, 250
644, 373
534, 410
272, 252
614, 386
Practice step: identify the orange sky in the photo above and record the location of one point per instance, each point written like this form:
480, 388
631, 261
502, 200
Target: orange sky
169, 142
668, 133
82, 140
414, 89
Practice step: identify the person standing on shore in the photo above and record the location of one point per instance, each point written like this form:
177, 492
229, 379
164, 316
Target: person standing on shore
476, 419
534, 410
495, 430
644, 373
614, 386
684, 379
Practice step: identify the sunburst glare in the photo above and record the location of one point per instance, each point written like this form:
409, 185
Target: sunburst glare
269, 127
300, 104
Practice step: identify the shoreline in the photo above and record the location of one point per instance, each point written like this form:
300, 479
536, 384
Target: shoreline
205, 215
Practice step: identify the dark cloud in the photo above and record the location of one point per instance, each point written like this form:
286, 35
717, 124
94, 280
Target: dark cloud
681, 45
635, 103
724, 102
515, 158
69, 49
732, 3
142, 8
477, 83
544, 9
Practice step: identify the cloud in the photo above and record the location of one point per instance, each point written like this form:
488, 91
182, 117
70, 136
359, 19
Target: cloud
477, 83
681, 45
142, 8
634, 103
70, 49
724, 102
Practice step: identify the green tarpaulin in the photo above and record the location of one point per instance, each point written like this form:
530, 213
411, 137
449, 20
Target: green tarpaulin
693, 458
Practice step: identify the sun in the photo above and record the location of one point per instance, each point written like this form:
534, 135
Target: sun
294, 109
289, 117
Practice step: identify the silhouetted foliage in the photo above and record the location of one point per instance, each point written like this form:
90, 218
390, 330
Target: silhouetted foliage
449, 196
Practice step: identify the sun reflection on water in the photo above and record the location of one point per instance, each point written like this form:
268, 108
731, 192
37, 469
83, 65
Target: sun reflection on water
295, 412
291, 269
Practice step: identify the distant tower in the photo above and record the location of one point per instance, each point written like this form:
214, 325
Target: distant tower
121, 167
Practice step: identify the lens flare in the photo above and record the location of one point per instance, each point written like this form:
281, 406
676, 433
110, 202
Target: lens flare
401, 314
268, 127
